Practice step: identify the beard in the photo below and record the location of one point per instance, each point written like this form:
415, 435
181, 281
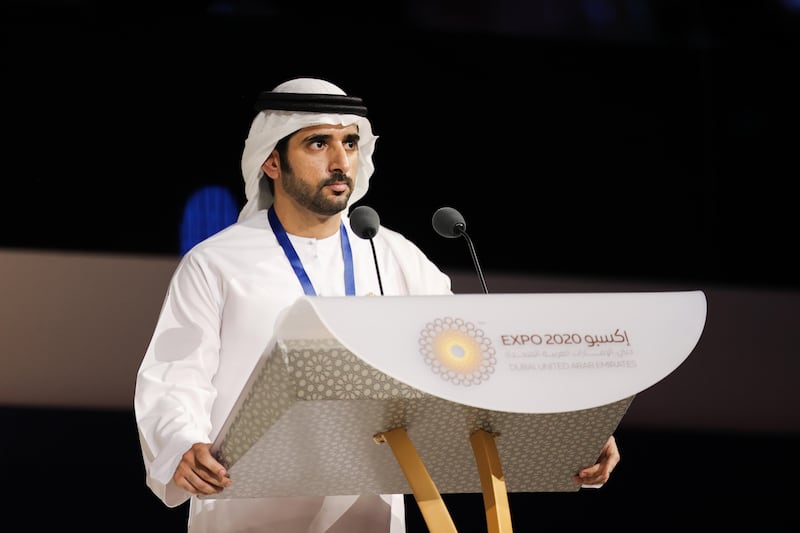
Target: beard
314, 198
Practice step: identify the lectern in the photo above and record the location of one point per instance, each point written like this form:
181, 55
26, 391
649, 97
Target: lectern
490, 393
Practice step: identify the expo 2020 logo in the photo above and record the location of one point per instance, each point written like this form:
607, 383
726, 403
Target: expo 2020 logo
457, 351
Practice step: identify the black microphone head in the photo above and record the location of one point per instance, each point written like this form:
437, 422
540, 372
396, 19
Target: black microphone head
448, 222
364, 221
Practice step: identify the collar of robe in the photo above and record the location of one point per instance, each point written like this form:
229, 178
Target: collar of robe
297, 264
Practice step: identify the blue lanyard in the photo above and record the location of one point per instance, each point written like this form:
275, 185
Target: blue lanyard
297, 265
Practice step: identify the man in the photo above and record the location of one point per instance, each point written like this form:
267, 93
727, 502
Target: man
307, 158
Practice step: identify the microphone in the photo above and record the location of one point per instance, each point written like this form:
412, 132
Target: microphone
450, 224
364, 221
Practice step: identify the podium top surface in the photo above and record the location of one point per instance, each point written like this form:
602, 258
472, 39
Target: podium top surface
523, 353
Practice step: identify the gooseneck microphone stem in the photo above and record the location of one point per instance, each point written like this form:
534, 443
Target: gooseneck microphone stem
474, 258
378, 272
449, 223
365, 223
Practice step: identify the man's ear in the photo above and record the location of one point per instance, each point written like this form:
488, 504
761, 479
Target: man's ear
271, 166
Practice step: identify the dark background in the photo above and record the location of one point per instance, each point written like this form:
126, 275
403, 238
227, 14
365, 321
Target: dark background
621, 140
651, 139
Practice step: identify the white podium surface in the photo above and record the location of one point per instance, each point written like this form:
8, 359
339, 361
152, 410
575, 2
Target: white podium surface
552, 374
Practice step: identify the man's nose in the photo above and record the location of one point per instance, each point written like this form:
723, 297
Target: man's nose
339, 161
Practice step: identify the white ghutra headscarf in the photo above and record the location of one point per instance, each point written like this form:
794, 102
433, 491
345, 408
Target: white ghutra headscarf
293, 105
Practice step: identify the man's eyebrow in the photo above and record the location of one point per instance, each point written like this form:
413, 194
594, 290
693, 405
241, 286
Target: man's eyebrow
326, 137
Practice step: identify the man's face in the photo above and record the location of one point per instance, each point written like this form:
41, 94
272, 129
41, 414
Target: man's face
319, 169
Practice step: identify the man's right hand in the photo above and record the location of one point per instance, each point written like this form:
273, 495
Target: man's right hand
199, 473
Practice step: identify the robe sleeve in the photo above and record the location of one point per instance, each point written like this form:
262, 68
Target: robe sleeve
174, 392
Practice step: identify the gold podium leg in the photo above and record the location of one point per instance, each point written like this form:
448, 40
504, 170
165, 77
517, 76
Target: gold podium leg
427, 495
493, 483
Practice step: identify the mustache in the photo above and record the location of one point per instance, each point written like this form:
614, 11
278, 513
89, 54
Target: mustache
336, 177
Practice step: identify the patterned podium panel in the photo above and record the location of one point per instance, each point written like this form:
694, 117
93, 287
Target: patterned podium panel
307, 421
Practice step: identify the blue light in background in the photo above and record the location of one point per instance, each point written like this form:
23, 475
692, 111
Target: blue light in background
600, 12
792, 4
206, 212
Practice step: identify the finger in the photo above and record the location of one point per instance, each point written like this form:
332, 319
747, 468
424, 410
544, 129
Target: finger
200, 474
196, 485
593, 475
208, 468
587, 475
209, 463
196, 479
